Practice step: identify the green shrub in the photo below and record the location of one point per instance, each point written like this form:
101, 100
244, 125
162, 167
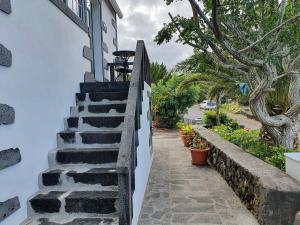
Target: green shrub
250, 141
210, 119
233, 107
180, 125
168, 104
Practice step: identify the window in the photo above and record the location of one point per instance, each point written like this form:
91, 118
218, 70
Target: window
80, 7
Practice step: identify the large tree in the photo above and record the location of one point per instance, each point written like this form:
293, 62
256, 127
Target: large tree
255, 39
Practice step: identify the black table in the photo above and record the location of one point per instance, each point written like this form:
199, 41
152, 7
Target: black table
124, 53
124, 56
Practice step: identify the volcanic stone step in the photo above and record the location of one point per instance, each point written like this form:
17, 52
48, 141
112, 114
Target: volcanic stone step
97, 176
72, 221
94, 110
87, 156
92, 123
100, 97
96, 202
93, 139
99, 86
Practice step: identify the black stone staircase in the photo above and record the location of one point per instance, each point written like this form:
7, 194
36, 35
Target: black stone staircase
81, 186
91, 179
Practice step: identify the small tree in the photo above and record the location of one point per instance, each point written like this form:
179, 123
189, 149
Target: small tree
258, 40
158, 72
167, 104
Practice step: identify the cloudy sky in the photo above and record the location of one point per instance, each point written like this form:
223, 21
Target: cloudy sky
142, 19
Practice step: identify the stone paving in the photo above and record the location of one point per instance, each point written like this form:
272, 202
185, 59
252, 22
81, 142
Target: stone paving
181, 194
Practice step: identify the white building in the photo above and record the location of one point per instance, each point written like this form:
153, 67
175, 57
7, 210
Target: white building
47, 48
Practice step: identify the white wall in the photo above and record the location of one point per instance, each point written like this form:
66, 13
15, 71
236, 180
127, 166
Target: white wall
97, 42
144, 156
107, 16
41, 86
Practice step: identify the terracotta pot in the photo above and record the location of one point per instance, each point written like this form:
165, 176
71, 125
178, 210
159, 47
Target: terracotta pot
199, 157
186, 139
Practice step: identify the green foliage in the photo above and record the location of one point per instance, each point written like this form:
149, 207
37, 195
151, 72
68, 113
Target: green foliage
279, 97
197, 63
186, 129
241, 23
169, 104
210, 119
203, 92
251, 142
201, 70
158, 72
233, 107
180, 125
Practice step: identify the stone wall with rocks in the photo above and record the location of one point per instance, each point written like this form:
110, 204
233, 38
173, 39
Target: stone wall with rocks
270, 194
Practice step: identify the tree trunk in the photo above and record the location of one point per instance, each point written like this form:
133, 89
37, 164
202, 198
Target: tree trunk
283, 128
218, 106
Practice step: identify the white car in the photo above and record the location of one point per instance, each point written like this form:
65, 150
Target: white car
208, 105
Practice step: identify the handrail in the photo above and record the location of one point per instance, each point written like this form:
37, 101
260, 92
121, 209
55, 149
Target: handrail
127, 153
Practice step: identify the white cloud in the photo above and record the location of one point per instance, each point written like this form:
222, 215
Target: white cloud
143, 19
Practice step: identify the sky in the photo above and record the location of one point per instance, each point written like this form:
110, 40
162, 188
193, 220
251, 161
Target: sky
143, 19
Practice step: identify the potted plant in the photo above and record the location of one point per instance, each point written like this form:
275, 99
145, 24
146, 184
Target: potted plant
187, 135
199, 153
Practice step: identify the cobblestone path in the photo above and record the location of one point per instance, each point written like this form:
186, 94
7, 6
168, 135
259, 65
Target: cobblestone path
181, 194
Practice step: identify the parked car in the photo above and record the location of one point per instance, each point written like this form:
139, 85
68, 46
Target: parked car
207, 105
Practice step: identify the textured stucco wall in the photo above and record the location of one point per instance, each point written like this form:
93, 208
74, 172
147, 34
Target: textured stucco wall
144, 157
41, 84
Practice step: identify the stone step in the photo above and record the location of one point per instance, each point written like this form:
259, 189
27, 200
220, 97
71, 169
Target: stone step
93, 156
97, 178
98, 86
71, 220
93, 123
96, 110
89, 139
96, 98
89, 202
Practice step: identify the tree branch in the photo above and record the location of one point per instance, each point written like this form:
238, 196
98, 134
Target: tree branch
278, 28
197, 8
216, 30
222, 41
180, 34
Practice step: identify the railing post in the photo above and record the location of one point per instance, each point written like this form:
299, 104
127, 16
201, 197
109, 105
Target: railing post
125, 198
112, 72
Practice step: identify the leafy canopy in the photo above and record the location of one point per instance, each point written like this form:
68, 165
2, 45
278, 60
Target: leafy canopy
158, 72
246, 31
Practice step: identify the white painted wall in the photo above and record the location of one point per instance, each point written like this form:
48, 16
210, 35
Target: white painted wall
41, 86
144, 157
107, 16
97, 42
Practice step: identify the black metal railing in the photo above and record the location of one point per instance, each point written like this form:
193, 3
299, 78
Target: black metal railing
127, 159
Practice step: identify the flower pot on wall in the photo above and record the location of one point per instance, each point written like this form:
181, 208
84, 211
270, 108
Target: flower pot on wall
199, 156
186, 138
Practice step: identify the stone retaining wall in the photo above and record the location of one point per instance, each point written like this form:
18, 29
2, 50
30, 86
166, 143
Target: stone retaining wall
271, 195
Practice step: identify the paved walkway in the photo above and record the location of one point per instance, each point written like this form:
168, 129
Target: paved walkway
245, 121
182, 194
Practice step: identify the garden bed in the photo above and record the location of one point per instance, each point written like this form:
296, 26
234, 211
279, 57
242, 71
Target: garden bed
271, 195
